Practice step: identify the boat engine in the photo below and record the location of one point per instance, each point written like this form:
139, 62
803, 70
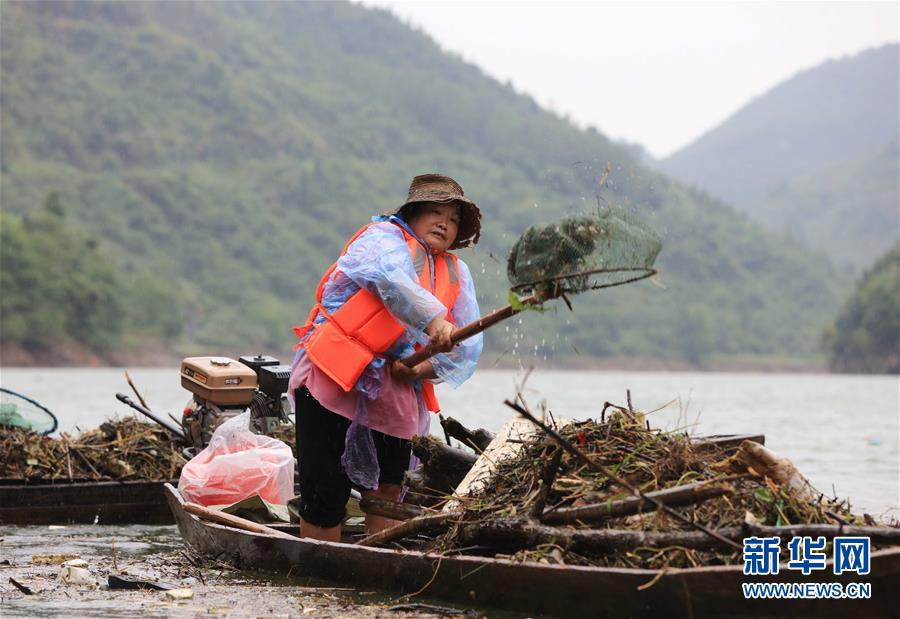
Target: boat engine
224, 388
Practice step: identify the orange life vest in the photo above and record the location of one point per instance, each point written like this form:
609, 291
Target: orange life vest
362, 327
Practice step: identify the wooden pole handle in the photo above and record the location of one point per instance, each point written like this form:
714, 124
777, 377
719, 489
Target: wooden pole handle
473, 328
214, 515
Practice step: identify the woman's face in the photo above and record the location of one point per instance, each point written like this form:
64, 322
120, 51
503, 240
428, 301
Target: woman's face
436, 223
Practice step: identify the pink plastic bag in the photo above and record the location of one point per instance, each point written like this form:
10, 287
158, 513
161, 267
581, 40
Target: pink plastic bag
238, 464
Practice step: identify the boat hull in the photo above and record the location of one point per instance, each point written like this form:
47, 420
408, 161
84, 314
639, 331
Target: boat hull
102, 502
532, 587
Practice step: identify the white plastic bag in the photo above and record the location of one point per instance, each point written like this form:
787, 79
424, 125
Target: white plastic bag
238, 464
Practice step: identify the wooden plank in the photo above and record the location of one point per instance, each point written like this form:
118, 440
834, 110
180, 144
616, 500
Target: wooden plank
506, 444
516, 429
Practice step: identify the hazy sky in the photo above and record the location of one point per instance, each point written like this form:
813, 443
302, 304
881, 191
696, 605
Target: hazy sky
656, 73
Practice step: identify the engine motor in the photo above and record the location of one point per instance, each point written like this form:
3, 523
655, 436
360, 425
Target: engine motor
224, 388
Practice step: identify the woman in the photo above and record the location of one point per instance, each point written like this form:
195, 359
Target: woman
395, 286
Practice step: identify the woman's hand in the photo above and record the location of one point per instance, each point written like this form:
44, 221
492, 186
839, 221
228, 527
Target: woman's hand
439, 331
423, 370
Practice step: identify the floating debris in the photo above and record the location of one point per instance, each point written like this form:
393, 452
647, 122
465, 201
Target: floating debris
20, 586
120, 449
76, 572
580, 505
117, 582
185, 593
52, 559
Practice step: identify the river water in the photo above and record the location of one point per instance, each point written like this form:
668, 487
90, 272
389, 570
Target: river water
841, 431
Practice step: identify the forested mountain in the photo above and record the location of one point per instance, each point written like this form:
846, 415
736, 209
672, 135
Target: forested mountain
223, 152
815, 156
849, 211
866, 335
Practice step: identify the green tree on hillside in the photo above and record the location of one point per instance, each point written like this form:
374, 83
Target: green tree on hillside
60, 287
866, 335
57, 286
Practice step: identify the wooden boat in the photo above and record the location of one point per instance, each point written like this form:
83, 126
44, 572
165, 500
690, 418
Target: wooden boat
534, 588
97, 502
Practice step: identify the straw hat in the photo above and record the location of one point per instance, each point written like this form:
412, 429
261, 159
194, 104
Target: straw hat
440, 188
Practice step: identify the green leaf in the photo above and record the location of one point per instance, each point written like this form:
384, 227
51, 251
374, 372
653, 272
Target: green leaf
763, 495
515, 302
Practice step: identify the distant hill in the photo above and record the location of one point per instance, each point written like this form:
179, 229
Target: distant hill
811, 151
223, 152
850, 211
820, 117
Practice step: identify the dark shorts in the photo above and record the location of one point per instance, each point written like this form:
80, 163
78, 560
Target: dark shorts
324, 486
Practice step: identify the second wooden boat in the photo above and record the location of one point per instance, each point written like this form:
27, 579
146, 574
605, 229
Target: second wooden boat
83, 502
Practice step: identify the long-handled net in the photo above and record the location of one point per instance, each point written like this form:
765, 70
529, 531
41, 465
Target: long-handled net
19, 411
577, 254
583, 252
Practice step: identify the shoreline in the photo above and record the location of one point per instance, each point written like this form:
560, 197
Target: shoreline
74, 356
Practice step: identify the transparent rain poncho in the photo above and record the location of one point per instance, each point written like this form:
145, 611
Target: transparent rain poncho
379, 261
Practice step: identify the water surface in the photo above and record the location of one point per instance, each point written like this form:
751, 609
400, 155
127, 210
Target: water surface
840, 430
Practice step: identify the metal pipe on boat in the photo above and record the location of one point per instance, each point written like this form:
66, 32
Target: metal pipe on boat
124, 399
